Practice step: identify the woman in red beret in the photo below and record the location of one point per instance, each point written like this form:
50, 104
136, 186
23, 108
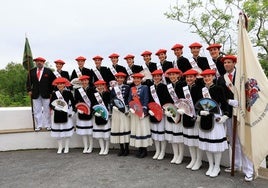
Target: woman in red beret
59, 72
216, 55
140, 135
148, 67
120, 127
181, 62
101, 72
82, 70
212, 135
190, 123
164, 65
115, 68
101, 126
131, 68
62, 125
174, 134
84, 125
198, 62
158, 94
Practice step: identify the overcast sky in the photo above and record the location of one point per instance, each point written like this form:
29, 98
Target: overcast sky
65, 29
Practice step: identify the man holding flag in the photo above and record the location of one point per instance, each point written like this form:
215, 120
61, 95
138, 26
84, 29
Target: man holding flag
251, 92
227, 82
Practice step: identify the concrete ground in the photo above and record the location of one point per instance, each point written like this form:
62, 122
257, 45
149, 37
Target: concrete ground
45, 168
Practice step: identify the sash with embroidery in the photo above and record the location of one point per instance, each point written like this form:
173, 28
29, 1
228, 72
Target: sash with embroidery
205, 92
213, 66
99, 99
175, 65
173, 94
57, 74
188, 96
59, 95
113, 70
129, 79
78, 72
129, 71
206, 122
98, 74
84, 96
159, 66
145, 68
119, 93
154, 94
193, 63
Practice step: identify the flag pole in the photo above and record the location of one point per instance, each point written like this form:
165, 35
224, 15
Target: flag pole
29, 77
234, 122
29, 66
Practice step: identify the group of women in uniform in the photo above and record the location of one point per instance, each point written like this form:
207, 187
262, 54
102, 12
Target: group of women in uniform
170, 82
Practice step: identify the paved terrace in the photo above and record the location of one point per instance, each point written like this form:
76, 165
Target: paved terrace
44, 168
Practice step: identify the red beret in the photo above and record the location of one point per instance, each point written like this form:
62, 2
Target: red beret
84, 77
214, 46
97, 57
40, 59
59, 61
177, 46
61, 80
190, 72
208, 71
195, 44
173, 70
137, 75
113, 55
146, 53
129, 56
160, 51
157, 72
120, 74
80, 58
99, 82
232, 57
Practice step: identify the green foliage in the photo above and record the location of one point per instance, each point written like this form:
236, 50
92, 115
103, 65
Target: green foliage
12, 86
210, 20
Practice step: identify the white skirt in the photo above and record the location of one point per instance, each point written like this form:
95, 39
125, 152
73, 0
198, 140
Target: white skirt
120, 128
101, 131
190, 135
173, 132
61, 130
140, 135
214, 140
84, 127
158, 130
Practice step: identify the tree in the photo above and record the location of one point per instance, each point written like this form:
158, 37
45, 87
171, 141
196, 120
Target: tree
12, 86
257, 12
215, 21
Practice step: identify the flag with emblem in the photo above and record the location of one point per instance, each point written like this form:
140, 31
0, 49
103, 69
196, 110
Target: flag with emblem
27, 56
252, 94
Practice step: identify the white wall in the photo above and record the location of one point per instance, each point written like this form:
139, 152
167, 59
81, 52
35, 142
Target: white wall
20, 118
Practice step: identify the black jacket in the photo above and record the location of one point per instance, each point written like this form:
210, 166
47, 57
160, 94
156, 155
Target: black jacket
43, 87
60, 116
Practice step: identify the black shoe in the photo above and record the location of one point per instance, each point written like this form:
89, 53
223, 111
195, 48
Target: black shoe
143, 153
138, 154
122, 150
126, 150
